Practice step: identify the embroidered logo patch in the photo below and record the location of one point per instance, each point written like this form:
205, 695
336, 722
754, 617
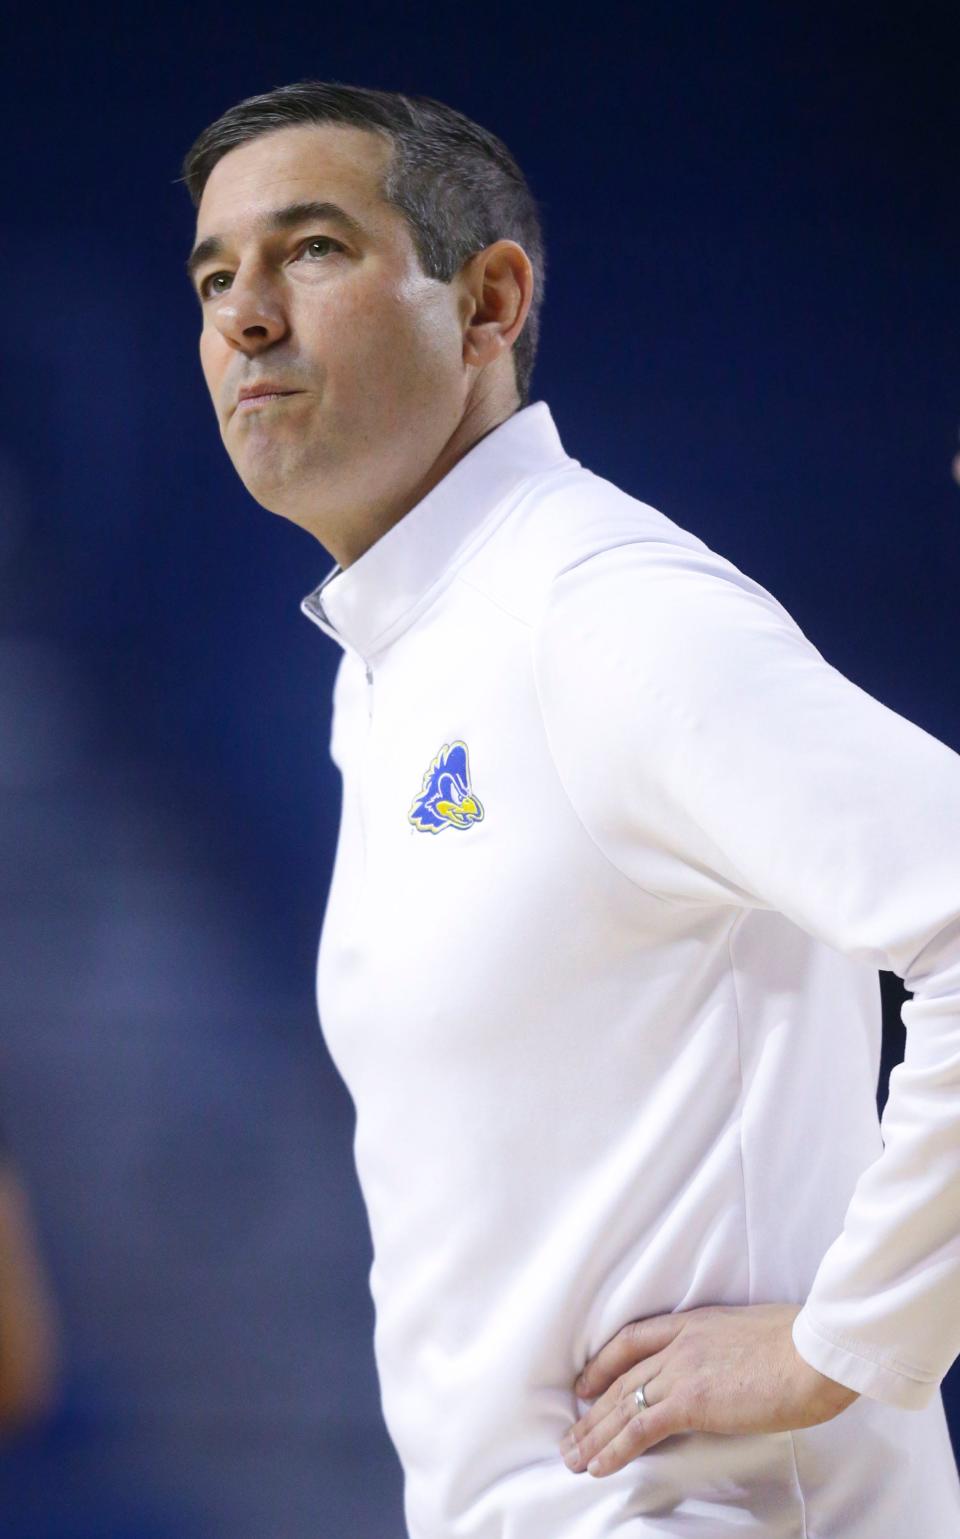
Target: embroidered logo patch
446, 800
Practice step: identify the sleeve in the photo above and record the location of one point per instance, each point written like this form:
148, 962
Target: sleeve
729, 763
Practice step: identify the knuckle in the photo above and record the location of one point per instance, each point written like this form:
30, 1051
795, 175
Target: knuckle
635, 1335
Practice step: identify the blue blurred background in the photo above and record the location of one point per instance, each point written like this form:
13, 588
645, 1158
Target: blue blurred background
751, 220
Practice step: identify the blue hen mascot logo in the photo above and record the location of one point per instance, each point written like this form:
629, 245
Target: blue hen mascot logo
446, 800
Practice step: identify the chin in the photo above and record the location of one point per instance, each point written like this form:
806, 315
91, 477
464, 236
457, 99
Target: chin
268, 497
262, 476
274, 495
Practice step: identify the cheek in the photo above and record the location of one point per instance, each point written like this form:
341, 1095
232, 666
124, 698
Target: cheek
409, 327
210, 361
425, 347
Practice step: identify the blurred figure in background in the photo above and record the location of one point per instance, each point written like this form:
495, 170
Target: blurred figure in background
29, 1324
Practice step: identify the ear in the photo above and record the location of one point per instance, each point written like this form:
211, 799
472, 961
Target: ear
498, 289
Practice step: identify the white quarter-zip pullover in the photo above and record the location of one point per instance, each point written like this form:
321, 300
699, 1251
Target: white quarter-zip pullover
620, 856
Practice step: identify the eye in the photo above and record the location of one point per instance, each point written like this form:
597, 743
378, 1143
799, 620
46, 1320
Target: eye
312, 240
325, 240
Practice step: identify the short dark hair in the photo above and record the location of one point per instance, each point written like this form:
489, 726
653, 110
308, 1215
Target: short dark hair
456, 183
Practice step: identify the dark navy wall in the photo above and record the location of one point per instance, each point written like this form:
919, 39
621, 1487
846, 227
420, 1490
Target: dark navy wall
751, 216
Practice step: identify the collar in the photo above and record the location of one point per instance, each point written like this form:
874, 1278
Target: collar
367, 603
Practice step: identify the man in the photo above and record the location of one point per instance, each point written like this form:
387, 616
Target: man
619, 857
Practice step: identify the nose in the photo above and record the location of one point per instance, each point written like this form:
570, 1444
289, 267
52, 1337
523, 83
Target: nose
250, 312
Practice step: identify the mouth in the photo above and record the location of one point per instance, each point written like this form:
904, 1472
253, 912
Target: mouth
254, 402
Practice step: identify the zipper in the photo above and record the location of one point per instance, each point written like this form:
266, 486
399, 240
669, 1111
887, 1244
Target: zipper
365, 755
364, 766
312, 607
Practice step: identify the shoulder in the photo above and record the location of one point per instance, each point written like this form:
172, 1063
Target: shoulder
577, 545
563, 519
661, 631
666, 592
575, 540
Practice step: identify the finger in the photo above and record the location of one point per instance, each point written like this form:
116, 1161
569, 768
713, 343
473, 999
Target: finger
643, 1373
609, 1417
642, 1431
637, 1340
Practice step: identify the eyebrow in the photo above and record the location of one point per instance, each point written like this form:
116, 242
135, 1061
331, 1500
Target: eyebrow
276, 219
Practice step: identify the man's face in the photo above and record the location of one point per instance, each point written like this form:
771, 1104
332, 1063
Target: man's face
344, 317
